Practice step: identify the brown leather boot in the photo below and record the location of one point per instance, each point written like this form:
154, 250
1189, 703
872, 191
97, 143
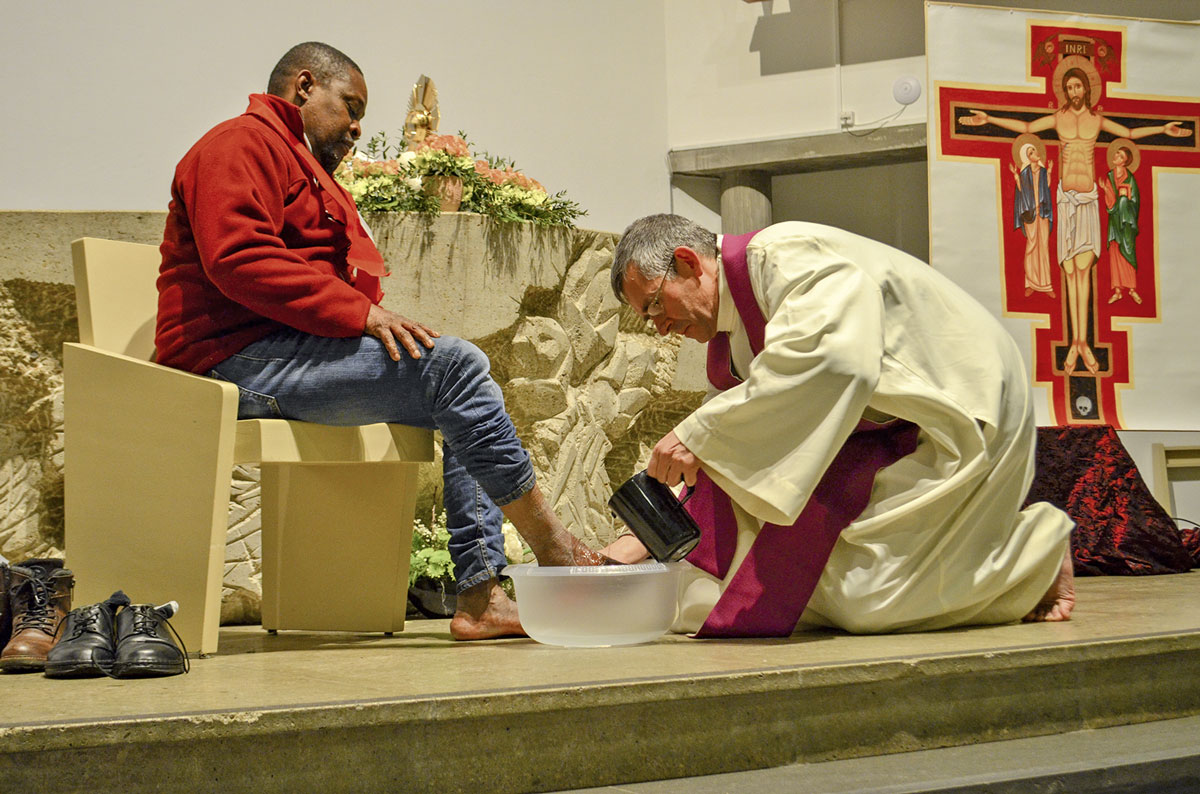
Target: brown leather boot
39, 595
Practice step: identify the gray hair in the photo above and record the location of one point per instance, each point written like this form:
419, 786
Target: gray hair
325, 63
649, 245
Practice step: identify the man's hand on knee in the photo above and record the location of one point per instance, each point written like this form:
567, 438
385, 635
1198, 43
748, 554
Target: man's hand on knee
671, 461
389, 327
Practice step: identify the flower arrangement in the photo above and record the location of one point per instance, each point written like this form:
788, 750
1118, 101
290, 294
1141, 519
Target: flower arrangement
442, 174
442, 155
385, 185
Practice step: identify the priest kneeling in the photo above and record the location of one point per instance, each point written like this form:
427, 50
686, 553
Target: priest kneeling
866, 444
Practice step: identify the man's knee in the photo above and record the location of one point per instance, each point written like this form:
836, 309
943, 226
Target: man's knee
463, 359
467, 357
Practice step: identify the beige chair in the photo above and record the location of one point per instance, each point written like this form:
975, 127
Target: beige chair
149, 453
1171, 464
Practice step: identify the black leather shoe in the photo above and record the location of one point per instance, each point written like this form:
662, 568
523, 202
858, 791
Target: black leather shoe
144, 644
86, 646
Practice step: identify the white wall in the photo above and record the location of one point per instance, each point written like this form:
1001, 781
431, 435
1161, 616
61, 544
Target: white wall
721, 89
780, 68
104, 98
729, 82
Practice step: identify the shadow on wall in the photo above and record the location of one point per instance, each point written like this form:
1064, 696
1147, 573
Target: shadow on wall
818, 34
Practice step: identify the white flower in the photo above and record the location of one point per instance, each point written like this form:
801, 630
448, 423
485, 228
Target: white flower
406, 158
514, 547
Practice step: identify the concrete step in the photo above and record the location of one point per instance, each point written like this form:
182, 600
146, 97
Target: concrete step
1148, 758
419, 712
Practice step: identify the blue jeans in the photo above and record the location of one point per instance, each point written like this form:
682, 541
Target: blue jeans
353, 381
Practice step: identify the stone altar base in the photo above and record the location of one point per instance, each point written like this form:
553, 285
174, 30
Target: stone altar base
418, 712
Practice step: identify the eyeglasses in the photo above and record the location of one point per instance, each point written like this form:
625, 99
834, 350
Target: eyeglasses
655, 307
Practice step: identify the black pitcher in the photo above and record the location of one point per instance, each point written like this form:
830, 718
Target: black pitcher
656, 517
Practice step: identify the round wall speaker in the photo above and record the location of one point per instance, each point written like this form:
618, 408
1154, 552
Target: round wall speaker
906, 90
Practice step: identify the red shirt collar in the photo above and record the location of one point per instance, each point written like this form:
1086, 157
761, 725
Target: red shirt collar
269, 105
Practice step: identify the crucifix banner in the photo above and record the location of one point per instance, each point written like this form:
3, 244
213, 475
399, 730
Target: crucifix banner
1064, 194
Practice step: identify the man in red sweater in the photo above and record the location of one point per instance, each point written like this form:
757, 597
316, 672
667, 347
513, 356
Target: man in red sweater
270, 280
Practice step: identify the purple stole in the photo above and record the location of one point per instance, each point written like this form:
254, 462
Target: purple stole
770, 589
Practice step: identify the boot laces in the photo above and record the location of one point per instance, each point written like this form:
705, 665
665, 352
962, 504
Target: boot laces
39, 615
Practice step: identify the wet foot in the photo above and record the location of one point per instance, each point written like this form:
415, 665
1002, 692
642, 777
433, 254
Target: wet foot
552, 544
626, 549
1059, 600
566, 549
485, 612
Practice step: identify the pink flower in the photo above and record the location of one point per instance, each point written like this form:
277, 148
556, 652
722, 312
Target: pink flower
450, 144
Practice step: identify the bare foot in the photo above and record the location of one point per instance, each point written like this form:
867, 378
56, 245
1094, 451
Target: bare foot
485, 611
566, 549
1136, 298
552, 544
626, 549
1116, 296
1059, 600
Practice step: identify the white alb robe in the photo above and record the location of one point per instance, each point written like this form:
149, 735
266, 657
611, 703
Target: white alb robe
858, 329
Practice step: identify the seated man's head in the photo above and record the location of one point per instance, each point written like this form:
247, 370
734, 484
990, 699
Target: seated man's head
330, 91
665, 267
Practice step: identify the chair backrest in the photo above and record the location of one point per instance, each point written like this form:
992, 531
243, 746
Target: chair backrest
116, 295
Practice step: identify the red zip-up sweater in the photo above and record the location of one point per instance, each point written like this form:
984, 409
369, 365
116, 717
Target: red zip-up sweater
252, 244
